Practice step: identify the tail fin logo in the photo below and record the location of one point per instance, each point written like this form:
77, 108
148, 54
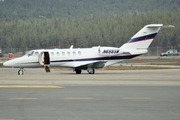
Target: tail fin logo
142, 38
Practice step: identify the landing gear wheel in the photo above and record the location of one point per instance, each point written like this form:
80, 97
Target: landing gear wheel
21, 72
92, 71
78, 71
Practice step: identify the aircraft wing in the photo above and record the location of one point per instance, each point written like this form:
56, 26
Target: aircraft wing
86, 64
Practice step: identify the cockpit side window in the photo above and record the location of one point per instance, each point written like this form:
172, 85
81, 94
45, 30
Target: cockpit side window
30, 53
36, 54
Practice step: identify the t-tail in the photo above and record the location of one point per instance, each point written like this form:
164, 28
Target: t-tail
140, 42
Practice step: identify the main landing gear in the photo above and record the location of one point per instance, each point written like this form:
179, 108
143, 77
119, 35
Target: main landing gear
90, 71
78, 71
21, 71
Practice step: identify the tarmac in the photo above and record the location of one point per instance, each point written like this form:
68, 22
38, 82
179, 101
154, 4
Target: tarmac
106, 95
158, 77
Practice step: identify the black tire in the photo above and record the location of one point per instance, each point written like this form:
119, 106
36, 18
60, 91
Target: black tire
78, 71
92, 72
20, 72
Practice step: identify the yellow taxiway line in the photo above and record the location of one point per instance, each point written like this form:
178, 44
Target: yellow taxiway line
29, 86
22, 99
7, 119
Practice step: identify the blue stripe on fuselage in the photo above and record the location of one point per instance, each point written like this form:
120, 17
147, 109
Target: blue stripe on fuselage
92, 59
99, 58
151, 36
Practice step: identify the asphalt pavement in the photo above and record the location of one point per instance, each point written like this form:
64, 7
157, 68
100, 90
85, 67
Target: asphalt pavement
106, 95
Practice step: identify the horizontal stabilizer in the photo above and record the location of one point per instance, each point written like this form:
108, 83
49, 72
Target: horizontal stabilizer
160, 25
154, 25
134, 52
168, 26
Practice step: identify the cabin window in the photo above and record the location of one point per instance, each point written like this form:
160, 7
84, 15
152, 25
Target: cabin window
68, 53
79, 52
57, 53
74, 53
63, 53
52, 53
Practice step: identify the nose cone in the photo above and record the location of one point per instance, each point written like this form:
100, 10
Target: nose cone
11, 63
7, 64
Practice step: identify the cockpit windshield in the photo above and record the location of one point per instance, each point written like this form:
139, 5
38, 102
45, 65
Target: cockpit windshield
30, 53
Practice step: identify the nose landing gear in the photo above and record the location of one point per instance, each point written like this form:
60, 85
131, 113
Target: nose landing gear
21, 71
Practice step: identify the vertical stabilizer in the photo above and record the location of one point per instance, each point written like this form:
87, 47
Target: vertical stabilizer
142, 39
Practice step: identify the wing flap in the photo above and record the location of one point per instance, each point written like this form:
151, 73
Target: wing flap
93, 64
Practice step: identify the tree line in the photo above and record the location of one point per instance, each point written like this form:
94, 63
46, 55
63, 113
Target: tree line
85, 32
25, 9
113, 24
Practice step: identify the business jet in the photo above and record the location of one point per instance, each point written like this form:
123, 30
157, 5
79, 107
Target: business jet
87, 58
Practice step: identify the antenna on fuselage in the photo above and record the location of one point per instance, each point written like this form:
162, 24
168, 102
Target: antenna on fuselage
99, 48
71, 47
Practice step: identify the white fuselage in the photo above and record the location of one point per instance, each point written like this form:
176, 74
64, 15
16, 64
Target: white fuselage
71, 57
